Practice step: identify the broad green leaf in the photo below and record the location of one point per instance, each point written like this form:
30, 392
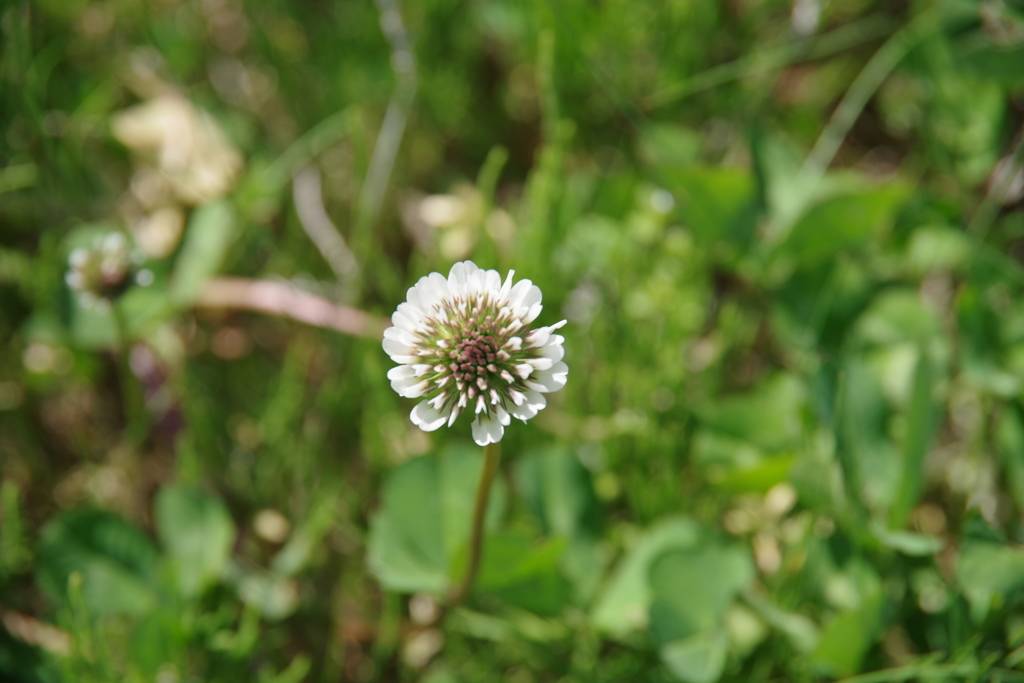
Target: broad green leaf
524, 573
624, 603
768, 416
560, 493
700, 658
846, 640
898, 315
720, 205
669, 146
909, 543
422, 526
116, 559
988, 573
937, 247
208, 236
197, 531
693, 588
800, 630
840, 223
870, 461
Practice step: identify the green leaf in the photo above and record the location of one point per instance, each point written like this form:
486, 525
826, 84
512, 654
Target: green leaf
524, 573
423, 525
922, 422
669, 146
116, 559
909, 543
1010, 440
846, 640
769, 416
897, 316
560, 493
197, 531
693, 588
988, 573
870, 461
209, 233
720, 205
697, 659
624, 603
840, 223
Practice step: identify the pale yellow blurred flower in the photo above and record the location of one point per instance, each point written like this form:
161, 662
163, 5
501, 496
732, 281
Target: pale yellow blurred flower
187, 146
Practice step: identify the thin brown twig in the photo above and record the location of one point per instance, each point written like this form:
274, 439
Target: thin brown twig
280, 298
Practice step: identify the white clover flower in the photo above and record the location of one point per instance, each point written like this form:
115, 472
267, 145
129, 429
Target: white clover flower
465, 342
103, 272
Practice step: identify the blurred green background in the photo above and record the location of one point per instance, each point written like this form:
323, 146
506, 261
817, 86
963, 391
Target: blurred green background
787, 236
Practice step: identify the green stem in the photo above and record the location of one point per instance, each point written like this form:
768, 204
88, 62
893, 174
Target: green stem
492, 454
131, 392
856, 98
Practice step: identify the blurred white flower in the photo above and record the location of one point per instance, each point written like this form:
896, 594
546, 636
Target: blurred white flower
466, 341
191, 151
102, 272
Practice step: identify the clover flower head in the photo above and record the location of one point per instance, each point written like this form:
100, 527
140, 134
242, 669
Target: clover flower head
466, 342
101, 273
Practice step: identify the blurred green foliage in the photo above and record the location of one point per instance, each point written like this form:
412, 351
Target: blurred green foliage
788, 239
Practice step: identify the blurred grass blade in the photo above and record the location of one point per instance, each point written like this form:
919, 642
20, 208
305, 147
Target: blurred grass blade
921, 427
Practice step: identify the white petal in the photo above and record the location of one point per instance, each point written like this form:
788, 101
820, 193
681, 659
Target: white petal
554, 349
458, 277
403, 322
455, 413
401, 372
541, 363
426, 417
542, 336
401, 336
506, 288
533, 404
524, 370
410, 388
413, 313
518, 293
396, 349
550, 380
503, 416
492, 283
475, 282
423, 368
420, 298
538, 338
428, 292
481, 404
532, 314
528, 297
487, 429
